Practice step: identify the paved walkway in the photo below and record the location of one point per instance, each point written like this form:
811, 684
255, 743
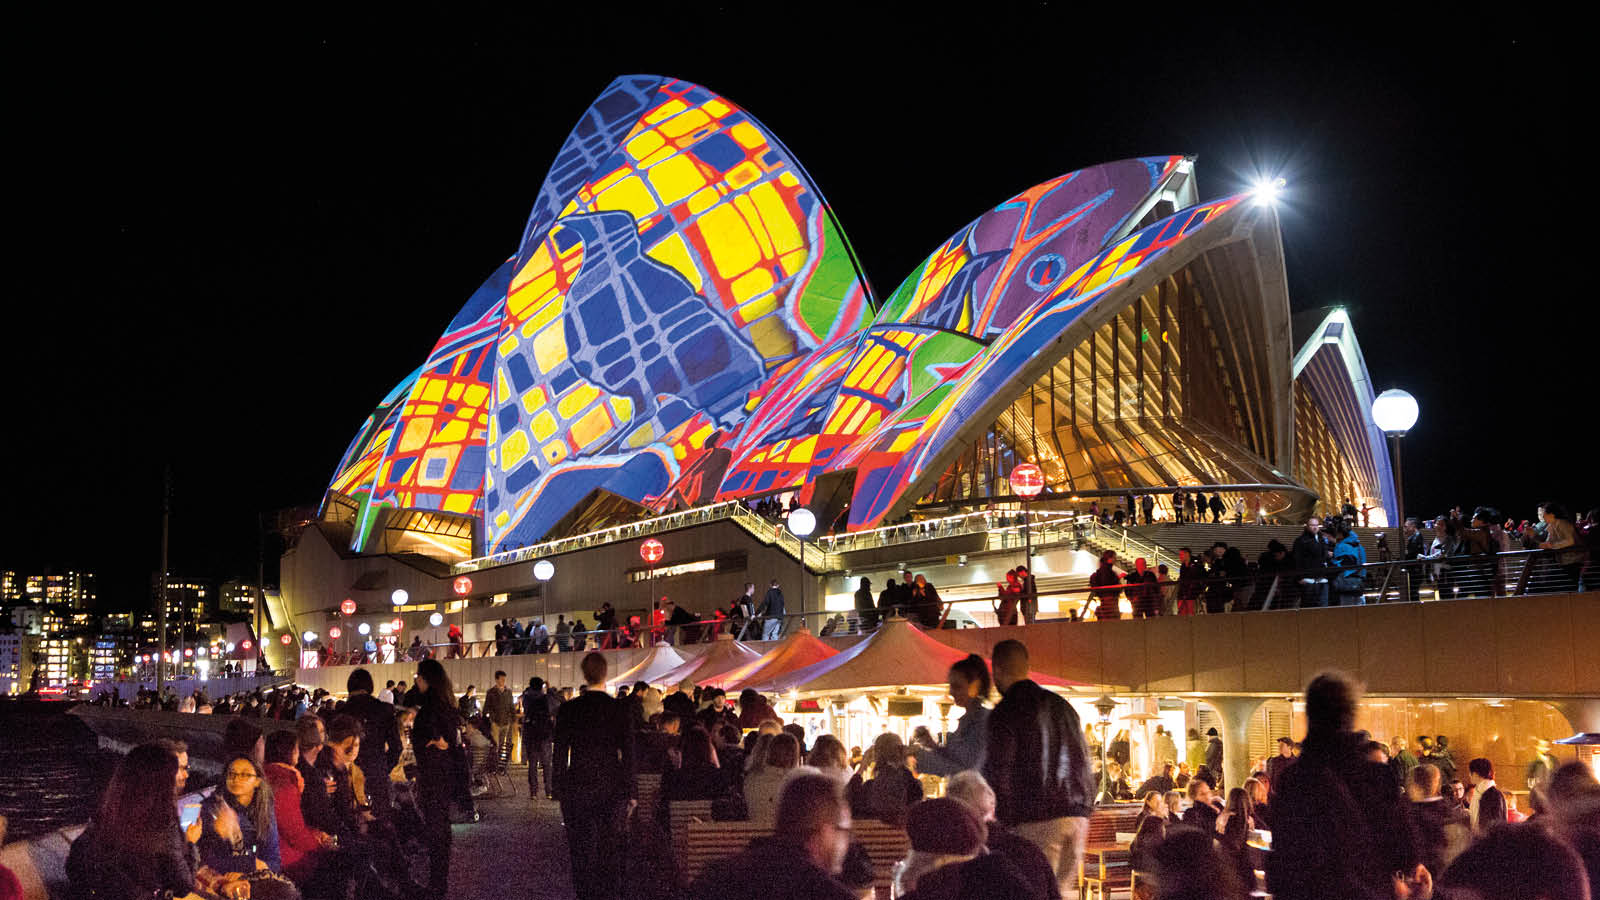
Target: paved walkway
518, 851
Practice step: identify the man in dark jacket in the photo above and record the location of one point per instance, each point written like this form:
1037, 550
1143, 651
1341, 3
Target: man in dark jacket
595, 780
888, 600
1488, 807
771, 613
1442, 828
811, 835
1217, 508
1278, 764
1214, 754
1106, 583
1312, 550
381, 743
1338, 827
538, 726
1038, 765
500, 710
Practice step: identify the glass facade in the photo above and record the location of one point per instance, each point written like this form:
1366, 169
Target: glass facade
1168, 392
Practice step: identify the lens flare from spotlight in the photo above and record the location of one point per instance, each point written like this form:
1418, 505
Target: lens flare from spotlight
1268, 191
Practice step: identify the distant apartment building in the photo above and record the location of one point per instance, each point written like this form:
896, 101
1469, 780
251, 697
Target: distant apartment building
72, 589
10, 586
188, 601
111, 655
28, 619
236, 597
16, 660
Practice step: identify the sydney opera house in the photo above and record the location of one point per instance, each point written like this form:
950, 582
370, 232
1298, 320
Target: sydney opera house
684, 331
684, 322
684, 326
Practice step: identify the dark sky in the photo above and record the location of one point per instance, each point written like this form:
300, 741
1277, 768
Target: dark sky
235, 237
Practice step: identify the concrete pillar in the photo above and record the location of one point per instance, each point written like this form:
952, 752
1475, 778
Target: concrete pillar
1584, 715
1235, 713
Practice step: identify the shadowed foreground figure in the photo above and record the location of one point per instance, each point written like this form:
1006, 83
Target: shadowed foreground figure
1339, 829
802, 858
595, 782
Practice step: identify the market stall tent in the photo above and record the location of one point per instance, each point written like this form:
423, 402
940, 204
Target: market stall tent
661, 659
897, 655
724, 654
800, 649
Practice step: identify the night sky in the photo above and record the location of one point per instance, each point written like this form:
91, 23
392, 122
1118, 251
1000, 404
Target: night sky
235, 238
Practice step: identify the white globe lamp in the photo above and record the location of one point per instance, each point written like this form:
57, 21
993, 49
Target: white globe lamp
1395, 412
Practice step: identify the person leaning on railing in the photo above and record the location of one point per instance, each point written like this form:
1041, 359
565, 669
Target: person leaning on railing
1562, 536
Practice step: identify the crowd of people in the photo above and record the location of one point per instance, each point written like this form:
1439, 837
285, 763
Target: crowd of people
1346, 818
358, 795
350, 797
1327, 564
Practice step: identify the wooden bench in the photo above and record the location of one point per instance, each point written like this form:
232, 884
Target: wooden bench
649, 796
680, 813
707, 843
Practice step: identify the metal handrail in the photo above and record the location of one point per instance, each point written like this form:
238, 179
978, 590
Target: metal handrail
1513, 573
1127, 543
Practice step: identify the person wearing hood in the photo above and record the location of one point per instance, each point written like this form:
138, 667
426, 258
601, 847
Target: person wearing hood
1348, 558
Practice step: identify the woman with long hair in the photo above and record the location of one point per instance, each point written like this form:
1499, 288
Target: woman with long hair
963, 749
699, 774
762, 787
829, 757
436, 739
883, 788
134, 845
239, 831
1233, 831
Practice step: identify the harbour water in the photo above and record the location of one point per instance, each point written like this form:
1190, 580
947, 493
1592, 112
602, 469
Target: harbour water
51, 768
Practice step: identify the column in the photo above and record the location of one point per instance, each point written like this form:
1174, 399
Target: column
1584, 715
1236, 713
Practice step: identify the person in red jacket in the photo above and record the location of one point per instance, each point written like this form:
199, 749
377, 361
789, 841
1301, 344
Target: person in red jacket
304, 849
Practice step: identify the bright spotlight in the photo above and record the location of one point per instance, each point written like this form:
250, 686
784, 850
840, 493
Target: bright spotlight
1268, 191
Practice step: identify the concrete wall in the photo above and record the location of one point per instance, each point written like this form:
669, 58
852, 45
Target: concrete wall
1540, 647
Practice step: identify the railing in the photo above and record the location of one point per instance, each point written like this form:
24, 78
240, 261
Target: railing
1004, 528
1517, 573
764, 530
1113, 537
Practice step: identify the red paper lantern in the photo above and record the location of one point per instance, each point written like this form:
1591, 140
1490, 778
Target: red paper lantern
652, 551
334, 632
244, 645
462, 586
285, 640
1027, 481
348, 607
397, 624
188, 651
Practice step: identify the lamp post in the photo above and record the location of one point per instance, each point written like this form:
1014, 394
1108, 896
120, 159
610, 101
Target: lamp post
1027, 480
651, 551
1394, 412
801, 523
544, 570
1104, 706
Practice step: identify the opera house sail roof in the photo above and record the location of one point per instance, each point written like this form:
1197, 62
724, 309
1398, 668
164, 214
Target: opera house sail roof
683, 322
